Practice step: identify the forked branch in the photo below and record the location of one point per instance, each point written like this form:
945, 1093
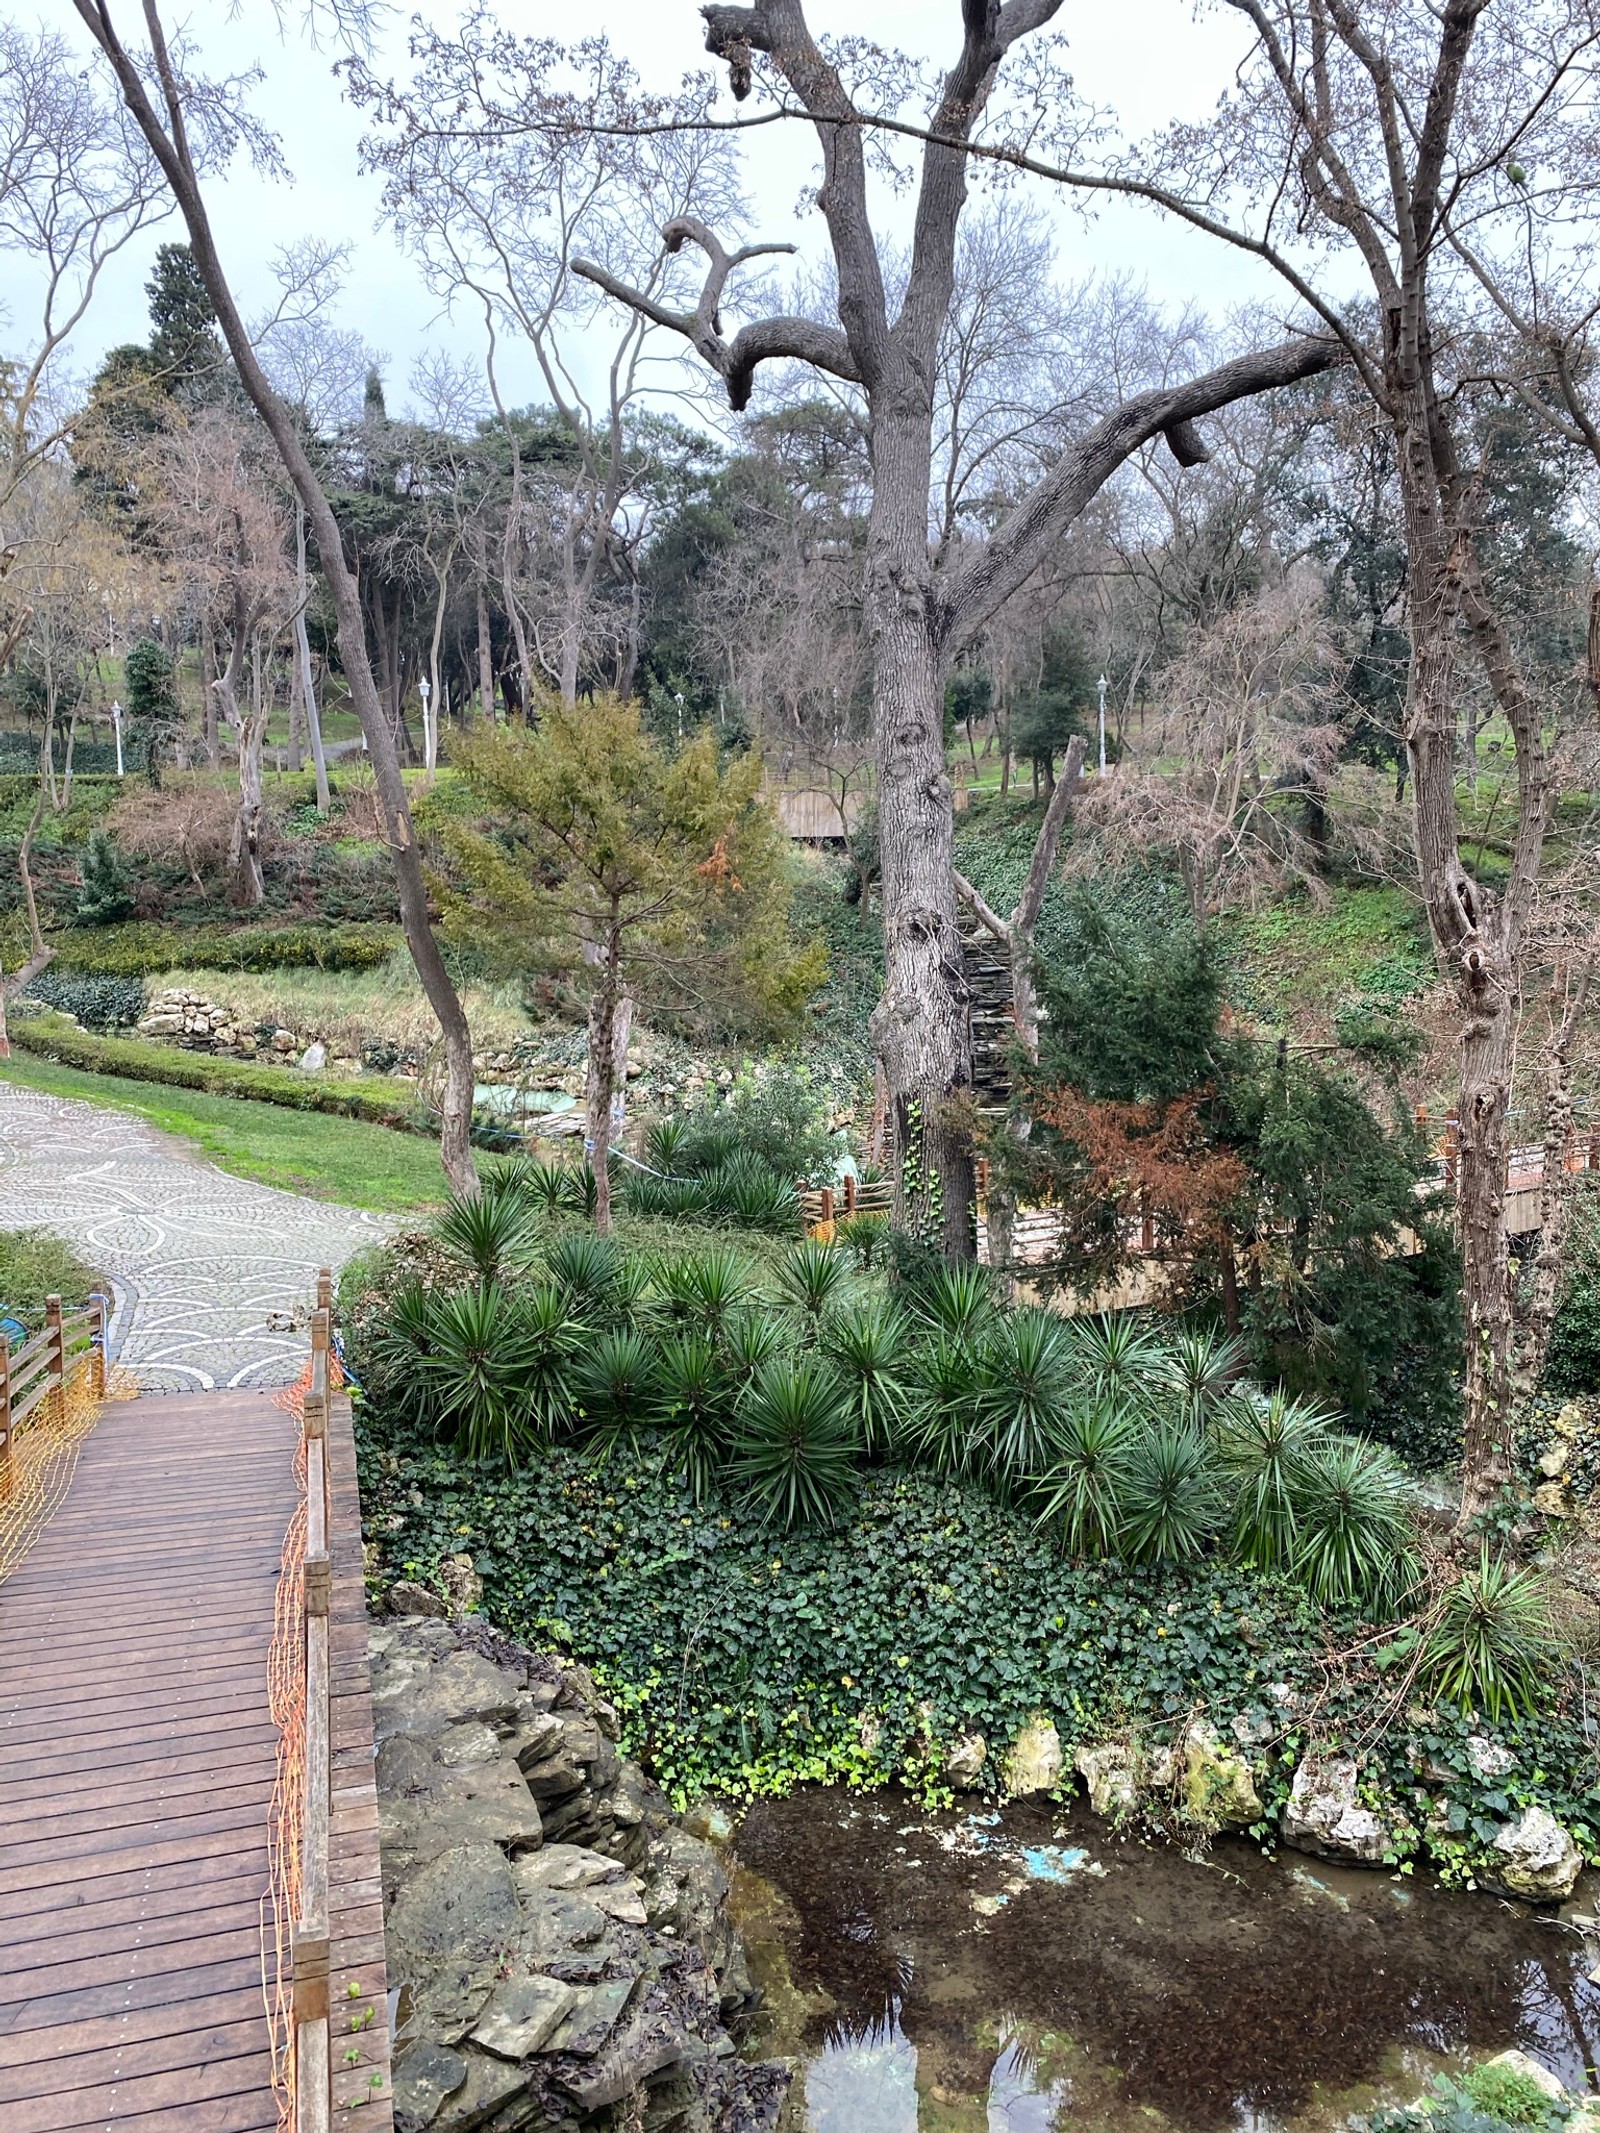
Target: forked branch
802, 339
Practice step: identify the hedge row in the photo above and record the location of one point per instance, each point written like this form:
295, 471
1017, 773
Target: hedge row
147, 948
382, 1103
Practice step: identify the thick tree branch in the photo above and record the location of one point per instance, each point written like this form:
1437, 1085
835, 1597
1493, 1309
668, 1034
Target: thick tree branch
802, 339
977, 591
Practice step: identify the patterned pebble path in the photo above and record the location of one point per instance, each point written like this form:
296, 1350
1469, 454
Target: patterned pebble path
212, 1276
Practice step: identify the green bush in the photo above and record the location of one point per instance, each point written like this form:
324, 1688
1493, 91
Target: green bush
148, 948
383, 1103
1490, 1649
1491, 2099
775, 1115
107, 891
34, 1264
99, 1003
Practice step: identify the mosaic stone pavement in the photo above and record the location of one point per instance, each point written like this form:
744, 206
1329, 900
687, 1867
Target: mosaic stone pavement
212, 1277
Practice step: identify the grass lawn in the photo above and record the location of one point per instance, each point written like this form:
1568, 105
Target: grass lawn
329, 1158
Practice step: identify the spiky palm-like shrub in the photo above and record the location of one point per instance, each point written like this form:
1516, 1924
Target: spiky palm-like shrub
1024, 1383
1172, 1500
693, 1411
491, 1231
943, 1430
673, 1297
752, 1339
1353, 1510
812, 1278
588, 1269
1489, 1650
1083, 1497
1199, 1369
487, 1371
719, 1286
664, 1146
1117, 1359
864, 1235
795, 1445
616, 1385
1264, 1445
869, 1347
956, 1299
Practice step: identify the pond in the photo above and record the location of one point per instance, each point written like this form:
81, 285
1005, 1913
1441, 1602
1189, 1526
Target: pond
1029, 1971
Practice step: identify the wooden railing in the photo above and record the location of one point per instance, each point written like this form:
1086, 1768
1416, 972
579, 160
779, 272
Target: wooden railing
311, 1932
821, 1208
41, 1369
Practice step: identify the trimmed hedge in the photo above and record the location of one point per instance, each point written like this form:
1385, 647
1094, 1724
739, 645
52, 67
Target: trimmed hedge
382, 1103
147, 948
100, 1003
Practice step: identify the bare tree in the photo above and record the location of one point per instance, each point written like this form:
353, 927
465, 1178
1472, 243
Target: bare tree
921, 615
221, 521
495, 210
161, 101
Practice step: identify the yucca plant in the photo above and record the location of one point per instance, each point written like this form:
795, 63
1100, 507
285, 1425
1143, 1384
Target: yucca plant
476, 1371
942, 1429
812, 1277
1083, 1496
1172, 1500
1024, 1383
401, 1340
549, 1331
693, 1411
1489, 1650
616, 1384
643, 1193
864, 1235
588, 1269
1115, 1358
752, 1339
673, 1296
756, 1198
1264, 1445
491, 1231
1353, 1507
681, 1199
719, 1281
956, 1299
665, 1144
795, 1445
868, 1346
544, 1185
1199, 1369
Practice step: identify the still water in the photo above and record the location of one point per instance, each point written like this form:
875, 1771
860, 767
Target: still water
1030, 1973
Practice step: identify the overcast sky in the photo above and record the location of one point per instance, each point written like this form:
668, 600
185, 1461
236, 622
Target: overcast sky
1150, 60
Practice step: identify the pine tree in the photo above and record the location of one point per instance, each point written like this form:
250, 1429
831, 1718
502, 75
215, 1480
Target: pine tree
107, 891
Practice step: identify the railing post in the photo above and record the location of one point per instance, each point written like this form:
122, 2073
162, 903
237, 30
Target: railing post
1452, 1145
57, 1368
7, 1456
97, 1309
850, 1194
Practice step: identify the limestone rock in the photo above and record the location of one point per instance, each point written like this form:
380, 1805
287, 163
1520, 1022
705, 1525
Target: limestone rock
1035, 1761
313, 1059
1218, 1790
1550, 1500
1107, 1772
450, 1934
423, 2077
406, 1598
1325, 1817
963, 1765
523, 2014
1533, 1857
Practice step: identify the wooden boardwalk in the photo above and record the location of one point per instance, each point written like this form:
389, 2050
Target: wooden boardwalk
137, 1762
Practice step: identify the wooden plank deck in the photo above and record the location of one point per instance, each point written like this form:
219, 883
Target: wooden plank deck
137, 1756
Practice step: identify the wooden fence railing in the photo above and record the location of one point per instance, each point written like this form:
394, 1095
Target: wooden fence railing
310, 1940
72, 1341
821, 1208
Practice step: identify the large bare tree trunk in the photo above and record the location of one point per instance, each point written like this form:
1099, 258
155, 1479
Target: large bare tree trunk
920, 1026
302, 653
601, 1088
485, 656
171, 151
1537, 1319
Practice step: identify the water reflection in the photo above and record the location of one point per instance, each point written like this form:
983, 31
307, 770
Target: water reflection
941, 1974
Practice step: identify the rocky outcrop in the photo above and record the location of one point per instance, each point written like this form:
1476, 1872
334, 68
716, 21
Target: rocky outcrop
1324, 1815
1218, 1790
1035, 1761
1109, 1776
1533, 1857
560, 1945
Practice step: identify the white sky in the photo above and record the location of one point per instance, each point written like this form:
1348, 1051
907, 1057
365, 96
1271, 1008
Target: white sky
1150, 60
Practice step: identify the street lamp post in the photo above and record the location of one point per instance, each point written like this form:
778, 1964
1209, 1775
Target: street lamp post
1101, 685
425, 689
116, 727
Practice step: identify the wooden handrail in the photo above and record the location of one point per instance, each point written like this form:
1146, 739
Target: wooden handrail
311, 1939
41, 1368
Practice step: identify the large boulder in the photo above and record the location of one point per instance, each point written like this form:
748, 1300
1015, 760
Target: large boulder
964, 1761
1035, 1762
1218, 1790
1533, 1857
1324, 1815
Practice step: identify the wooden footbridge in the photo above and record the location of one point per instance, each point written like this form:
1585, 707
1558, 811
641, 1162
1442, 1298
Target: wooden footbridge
191, 1935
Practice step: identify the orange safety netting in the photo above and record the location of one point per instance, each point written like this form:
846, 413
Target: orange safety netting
286, 1697
292, 1399
44, 1454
